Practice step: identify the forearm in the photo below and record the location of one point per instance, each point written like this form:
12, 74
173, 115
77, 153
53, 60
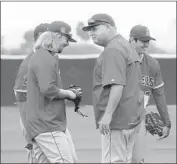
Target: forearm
63, 94
114, 98
160, 100
56, 93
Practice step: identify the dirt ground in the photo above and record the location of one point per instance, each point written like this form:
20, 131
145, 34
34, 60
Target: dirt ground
85, 137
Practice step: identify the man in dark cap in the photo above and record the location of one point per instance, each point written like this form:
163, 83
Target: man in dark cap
117, 98
20, 90
152, 84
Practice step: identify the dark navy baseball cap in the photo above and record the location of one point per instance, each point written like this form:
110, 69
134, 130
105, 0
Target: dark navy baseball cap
62, 27
141, 33
99, 19
43, 27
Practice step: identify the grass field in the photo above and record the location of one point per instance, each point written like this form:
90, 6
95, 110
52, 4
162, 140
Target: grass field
86, 138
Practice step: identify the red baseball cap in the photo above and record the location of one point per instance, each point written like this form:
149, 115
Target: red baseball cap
141, 33
62, 27
99, 19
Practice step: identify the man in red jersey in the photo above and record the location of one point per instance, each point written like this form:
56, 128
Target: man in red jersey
117, 98
20, 90
152, 85
46, 122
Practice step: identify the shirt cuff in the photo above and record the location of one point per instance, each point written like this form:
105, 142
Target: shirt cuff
158, 86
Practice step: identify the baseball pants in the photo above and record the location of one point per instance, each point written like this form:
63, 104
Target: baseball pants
30, 153
57, 146
140, 146
117, 146
36, 152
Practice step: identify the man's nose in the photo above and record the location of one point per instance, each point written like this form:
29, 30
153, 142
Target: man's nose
66, 44
91, 33
146, 44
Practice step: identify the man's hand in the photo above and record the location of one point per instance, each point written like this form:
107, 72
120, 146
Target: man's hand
166, 132
104, 124
155, 126
71, 94
74, 92
75, 95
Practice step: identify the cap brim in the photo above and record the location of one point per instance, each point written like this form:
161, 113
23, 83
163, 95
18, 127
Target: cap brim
72, 40
147, 38
88, 28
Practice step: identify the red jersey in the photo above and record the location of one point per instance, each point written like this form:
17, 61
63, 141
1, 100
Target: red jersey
151, 76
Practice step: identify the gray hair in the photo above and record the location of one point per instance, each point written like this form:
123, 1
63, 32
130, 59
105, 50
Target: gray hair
46, 41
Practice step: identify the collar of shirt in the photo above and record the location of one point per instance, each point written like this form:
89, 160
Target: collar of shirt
141, 57
112, 39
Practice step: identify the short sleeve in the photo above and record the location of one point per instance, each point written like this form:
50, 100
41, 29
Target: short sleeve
21, 79
158, 81
46, 74
113, 68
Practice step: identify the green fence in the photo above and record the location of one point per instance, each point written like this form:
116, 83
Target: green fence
79, 71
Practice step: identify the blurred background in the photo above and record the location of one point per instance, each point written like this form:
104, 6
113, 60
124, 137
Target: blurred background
18, 20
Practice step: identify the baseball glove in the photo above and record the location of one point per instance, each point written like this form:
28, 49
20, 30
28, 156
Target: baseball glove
78, 91
154, 124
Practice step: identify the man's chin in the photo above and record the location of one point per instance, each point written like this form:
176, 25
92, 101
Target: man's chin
145, 52
97, 43
95, 40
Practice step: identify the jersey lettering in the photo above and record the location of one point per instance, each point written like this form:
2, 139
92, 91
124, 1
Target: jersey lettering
147, 81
